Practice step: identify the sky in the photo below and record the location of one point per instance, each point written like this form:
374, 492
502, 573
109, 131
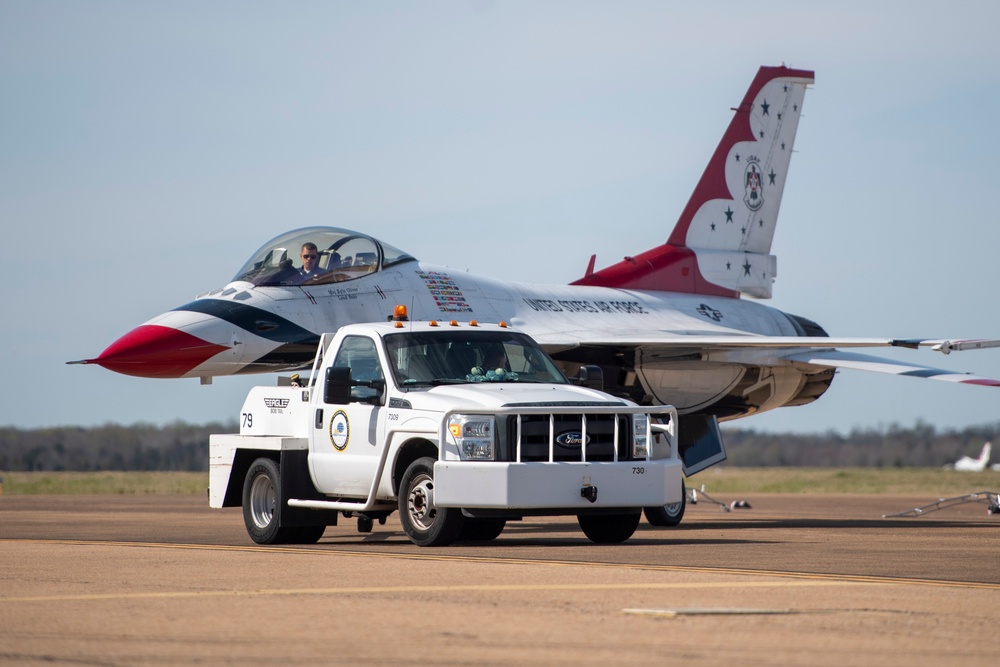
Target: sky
147, 149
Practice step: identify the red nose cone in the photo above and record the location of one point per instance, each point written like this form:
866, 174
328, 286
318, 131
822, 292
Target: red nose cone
152, 351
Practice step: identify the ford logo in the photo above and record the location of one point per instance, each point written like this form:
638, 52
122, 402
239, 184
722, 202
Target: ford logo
571, 439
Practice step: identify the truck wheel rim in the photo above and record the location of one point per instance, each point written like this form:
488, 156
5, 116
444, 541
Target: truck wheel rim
420, 502
262, 501
673, 509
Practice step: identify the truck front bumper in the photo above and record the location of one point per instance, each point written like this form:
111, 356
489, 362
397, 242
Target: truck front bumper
560, 485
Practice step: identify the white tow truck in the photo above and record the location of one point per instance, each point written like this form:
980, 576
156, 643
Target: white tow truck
459, 426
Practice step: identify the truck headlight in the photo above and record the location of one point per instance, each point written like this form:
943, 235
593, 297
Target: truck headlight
474, 436
640, 440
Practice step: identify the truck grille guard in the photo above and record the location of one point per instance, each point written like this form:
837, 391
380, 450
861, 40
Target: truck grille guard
521, 429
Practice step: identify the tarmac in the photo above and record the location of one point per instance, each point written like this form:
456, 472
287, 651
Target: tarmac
791, 580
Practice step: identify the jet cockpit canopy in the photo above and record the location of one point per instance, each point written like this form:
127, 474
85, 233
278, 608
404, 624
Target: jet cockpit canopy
340, 255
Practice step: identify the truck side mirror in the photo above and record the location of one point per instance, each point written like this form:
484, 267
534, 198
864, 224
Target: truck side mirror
378, 386
590, 376
337, 386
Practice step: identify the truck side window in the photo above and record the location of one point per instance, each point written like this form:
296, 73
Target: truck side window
359, 354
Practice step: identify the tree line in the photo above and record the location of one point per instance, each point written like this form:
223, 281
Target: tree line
176, 446
184, 447
919, 446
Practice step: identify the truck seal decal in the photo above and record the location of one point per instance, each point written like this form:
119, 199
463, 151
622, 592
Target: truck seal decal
340, 430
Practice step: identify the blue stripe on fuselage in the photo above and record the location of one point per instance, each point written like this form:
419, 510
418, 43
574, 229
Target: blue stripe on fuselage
255, 320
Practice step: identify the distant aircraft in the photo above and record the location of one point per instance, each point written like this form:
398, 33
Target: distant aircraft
969, 464
665, 326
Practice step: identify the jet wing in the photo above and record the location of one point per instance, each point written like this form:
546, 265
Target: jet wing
816, 351
689, 340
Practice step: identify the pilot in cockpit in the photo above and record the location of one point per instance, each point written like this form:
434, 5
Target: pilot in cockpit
310, 263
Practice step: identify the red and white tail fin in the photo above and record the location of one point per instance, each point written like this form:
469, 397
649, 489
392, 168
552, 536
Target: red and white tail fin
721, 244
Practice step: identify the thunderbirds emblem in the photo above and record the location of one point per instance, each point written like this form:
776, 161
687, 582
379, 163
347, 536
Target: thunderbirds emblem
753, 185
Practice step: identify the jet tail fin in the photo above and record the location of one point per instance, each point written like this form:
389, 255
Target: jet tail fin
721, 243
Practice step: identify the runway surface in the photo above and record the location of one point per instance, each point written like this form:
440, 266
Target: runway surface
794, 580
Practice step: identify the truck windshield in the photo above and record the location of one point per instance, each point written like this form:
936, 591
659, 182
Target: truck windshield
444, 357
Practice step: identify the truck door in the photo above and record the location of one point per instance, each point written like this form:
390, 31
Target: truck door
347, 439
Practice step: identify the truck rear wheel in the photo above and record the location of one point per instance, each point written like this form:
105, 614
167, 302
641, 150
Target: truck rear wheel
426, 524
609, 528
262, 504
667, 515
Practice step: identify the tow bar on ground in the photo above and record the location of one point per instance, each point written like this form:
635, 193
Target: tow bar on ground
991, 498
692, 497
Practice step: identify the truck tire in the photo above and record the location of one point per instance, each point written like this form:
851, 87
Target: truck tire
609, 528
262, 504
667, 515
423, 522
481, 530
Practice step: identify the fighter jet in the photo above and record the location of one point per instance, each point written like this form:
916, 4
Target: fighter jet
667, 325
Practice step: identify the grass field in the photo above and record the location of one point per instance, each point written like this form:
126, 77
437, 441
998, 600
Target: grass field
89, 483
924, 481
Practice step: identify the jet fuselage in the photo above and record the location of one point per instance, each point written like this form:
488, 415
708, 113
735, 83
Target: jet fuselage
247, 328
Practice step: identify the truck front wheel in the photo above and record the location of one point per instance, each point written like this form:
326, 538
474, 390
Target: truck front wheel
426, 524
609, 528
667, 515
261, 504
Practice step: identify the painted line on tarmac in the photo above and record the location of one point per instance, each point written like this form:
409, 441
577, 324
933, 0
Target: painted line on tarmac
394, 590
694, 569
740, 611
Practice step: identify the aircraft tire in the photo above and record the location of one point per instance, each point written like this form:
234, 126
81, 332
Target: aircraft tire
262, 504
423, 522
667, 516
609, 528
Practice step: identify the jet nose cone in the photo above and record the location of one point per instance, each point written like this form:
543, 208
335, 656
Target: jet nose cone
154, 351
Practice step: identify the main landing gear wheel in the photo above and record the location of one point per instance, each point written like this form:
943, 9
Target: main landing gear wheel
667, 515
426, 524
609, 528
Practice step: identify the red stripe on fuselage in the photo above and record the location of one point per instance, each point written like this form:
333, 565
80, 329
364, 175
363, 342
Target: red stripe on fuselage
666, 268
